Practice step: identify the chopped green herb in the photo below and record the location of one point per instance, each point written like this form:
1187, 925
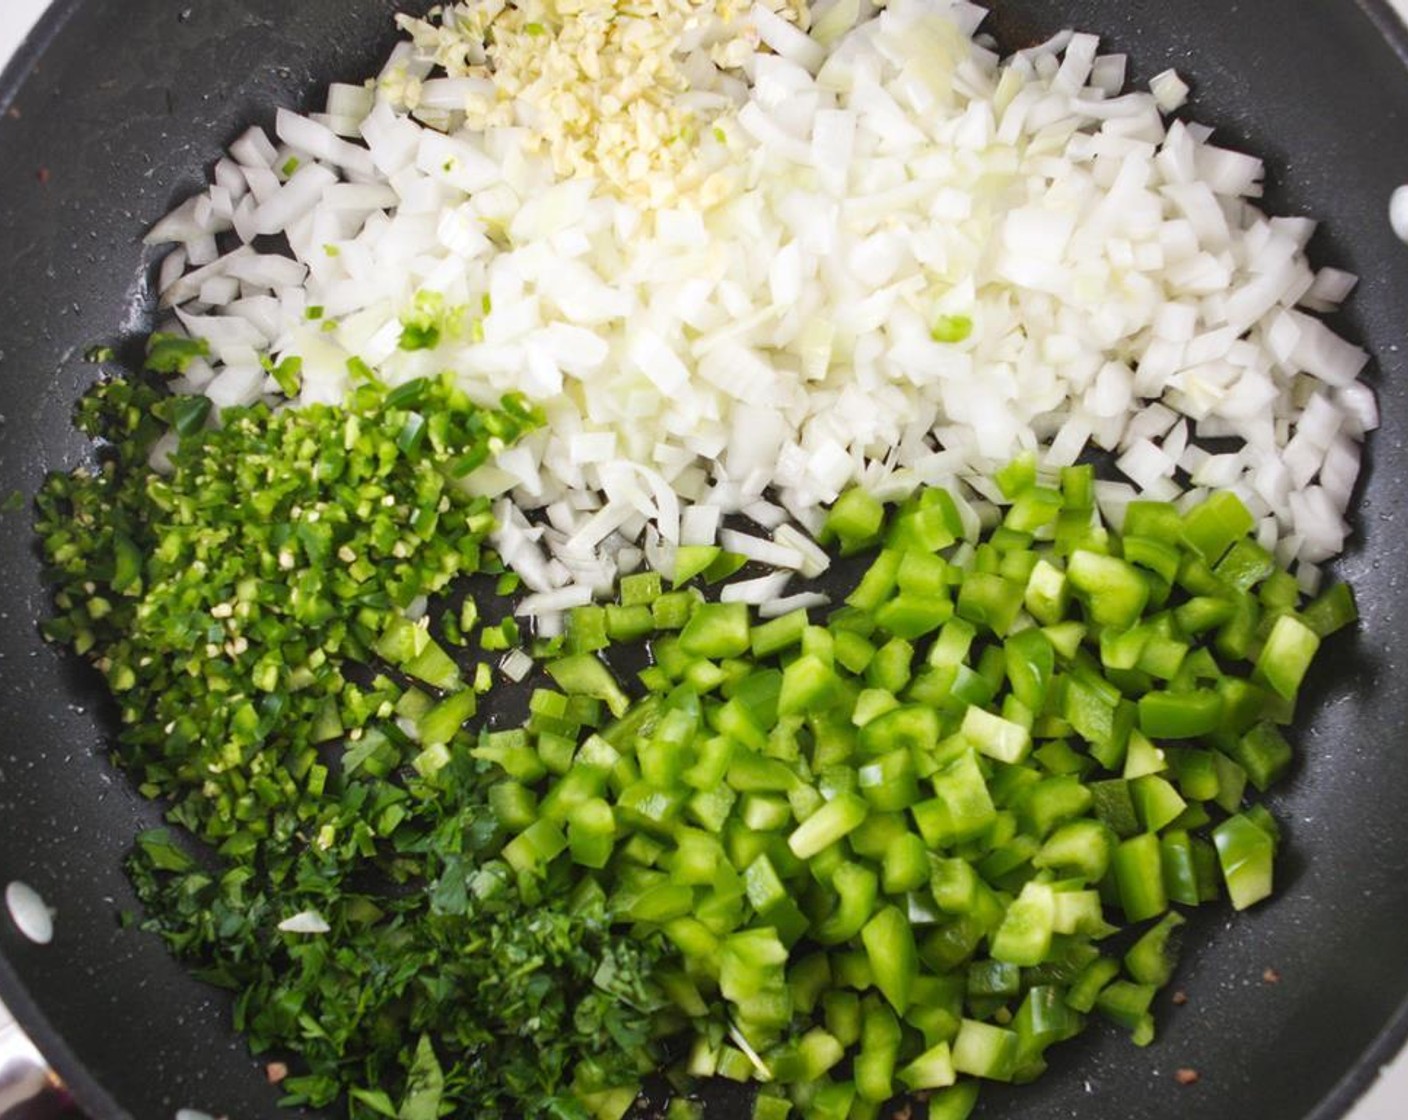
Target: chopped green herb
228, 604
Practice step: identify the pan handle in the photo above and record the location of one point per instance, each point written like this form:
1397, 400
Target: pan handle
29, 1089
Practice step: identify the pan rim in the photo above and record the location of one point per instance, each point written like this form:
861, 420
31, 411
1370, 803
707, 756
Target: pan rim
94, 1097
1392, 1041
31, 50
91, 1094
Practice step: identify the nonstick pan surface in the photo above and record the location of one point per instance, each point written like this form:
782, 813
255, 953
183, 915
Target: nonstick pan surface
116, 109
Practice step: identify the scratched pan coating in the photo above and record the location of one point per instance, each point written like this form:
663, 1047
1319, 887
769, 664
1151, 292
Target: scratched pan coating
118, 109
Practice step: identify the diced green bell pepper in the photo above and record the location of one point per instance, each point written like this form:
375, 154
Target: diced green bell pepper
894, 960
1287, 654
1151, 959
1247, 854
717, 630
1138, 872
1024, 938
1210, 529
984, 1050
1113, 591
880, 1038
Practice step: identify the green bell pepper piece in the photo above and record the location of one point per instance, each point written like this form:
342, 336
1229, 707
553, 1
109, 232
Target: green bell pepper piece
1083, 848
956, 1103
1333, 610
1030, 662
855, 520
1139, 879
779, 634
1263, 753
933, 1069
990, 600
1024, 938
591, 833
996, 737
1093, 979
1244, 565
1287, 654
836, 819
905, 865
717, 630
582, 674
1156, 801
1180, 872
984, 1050
809, 685
894, 960
1114, 592
1210, 528
880, 1038
857, 888
890, 782
535, 847
1180, 715
1152, 959
1127, 1005
1246, 853
878, 583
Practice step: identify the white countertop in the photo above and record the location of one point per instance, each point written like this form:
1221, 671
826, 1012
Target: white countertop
1388, 1100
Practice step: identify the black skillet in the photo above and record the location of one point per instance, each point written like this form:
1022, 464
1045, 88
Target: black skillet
116, 108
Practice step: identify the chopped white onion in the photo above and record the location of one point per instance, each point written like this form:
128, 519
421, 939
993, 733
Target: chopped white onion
803, 601
553, 602
881, 279
516, 665
700, 525
763, 589
763, 551
305, 921
815, 559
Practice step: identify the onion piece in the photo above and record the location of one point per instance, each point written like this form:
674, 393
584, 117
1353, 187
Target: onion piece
806, 600
757, 591
763, 551
516, 665
305, 921
553, 602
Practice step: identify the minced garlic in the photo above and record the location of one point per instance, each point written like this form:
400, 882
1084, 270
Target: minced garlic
598, 83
